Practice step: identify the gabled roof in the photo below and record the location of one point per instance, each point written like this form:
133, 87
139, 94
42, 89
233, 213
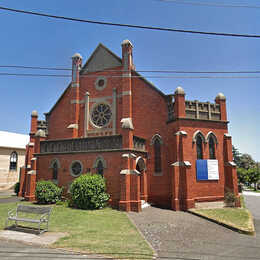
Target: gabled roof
102, 58
13, 140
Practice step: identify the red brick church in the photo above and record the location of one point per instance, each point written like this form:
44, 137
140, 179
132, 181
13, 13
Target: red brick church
150, 147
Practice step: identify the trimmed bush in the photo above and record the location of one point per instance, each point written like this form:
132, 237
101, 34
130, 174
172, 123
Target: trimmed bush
16, 188
89, 192
47, 192
230, 199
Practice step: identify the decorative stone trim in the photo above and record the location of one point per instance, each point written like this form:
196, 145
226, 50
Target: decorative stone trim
71, 171
74, 101
181, 133
31, 144
129, 155
184, 163
227, 135
139, 158
34, 159
194, 138
213, 135
31, 172
231, 163
127, 123
156, 136
71, 126
127, 171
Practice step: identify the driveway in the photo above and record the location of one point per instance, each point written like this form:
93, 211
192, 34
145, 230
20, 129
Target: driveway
180, 235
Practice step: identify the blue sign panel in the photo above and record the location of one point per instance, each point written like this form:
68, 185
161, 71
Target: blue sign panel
202, 170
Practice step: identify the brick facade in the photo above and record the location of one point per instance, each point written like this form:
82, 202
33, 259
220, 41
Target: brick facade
144, 141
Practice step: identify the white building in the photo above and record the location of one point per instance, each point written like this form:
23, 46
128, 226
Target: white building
12, 157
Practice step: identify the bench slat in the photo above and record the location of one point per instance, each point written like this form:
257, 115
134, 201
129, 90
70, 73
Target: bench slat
25, 219
33, 209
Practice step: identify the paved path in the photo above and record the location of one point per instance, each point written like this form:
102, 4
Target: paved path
180, 235
8, 196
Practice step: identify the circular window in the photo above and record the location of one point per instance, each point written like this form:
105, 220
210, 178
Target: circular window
76, 168
101, 115
100, 83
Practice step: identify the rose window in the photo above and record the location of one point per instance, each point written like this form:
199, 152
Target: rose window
76, 168
101, 115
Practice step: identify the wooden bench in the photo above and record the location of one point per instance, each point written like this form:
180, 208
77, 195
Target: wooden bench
43, 214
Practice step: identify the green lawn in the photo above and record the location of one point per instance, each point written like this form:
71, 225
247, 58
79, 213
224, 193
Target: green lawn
108, 232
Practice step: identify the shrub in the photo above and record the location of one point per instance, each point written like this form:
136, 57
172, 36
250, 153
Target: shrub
16, 188
89, 192
230, 198
47, 192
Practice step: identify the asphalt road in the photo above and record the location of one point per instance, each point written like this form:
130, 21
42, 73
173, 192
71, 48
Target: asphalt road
19, 251
180, 235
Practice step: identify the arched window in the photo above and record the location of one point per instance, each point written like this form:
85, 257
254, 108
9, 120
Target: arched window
212, 154
99, 165
157, 155
199, 147
13, 161
100, 168
55, 171
54, 166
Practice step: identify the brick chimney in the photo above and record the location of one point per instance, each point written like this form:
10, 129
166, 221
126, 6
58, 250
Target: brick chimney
179, 103
76, 66
221, 100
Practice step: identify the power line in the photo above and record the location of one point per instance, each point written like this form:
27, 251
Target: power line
31, 67
211, 4
139, 71
131, 25
120, 76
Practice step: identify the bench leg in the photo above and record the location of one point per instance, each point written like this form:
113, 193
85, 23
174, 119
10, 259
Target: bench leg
6, 223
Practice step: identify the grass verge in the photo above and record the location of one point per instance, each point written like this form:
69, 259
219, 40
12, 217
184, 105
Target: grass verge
239, 219
107, 232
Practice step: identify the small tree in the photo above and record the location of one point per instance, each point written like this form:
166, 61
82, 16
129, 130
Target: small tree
242, 176
47, 192
89, 192
254, 176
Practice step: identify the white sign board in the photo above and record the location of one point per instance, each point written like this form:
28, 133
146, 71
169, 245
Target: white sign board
213, 173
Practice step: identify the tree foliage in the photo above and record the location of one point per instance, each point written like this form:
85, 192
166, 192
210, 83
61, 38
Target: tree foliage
248, 170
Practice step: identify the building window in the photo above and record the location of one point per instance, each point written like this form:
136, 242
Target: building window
55, 171
100, 168
101, 115
212, 154
199, 147
101, 83
99, 165
13, 161
76, 168
157, 156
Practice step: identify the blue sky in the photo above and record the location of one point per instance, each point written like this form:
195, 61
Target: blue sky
37, 41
